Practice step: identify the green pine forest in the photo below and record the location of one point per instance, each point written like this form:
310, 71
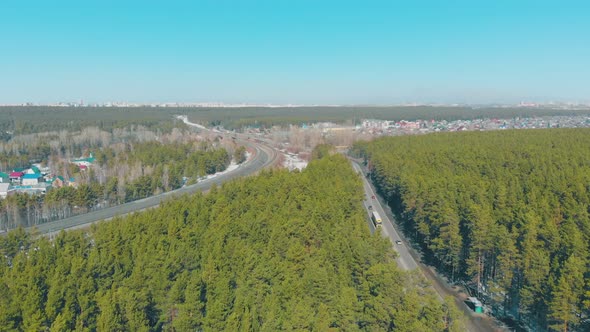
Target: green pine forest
279, 251
21, 120
509, 209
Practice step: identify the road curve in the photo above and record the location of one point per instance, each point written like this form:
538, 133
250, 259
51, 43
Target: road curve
263, 157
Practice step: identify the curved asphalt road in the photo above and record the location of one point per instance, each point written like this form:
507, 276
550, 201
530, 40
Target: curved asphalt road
264, 156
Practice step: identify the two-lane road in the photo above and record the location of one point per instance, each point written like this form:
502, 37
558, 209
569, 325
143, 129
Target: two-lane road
407, 259
404, 259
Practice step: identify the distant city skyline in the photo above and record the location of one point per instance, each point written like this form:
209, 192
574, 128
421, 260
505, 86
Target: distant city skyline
295, 52
547, 105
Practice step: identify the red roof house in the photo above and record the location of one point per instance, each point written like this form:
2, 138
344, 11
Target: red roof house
16, 175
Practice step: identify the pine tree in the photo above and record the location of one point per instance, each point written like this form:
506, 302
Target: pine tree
566, 301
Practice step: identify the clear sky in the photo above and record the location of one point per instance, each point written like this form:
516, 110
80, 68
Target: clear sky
295, 51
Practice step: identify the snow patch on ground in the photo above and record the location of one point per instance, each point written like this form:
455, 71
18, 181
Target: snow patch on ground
229, 168
292, 161
184, 119
232, 166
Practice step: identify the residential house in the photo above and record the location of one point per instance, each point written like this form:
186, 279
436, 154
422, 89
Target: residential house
33, 170
15, 176
4, 177
31, 179
58, 181
44, 169
84, 161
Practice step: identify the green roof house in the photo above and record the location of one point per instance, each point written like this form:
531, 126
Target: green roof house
57, 181
33, 170
84, 161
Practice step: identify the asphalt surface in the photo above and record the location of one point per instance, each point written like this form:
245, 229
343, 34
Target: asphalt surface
409, 259
263, 157
404, 259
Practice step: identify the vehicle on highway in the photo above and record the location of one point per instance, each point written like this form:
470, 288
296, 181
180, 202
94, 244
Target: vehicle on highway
370, 207
474, 304
398, 242
376, 218
373, 197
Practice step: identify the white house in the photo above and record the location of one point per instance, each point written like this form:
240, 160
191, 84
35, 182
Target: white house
31, 179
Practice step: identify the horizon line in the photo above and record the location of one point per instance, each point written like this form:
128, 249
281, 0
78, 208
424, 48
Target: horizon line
530, 104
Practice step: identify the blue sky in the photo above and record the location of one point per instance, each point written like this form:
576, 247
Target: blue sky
297, 51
